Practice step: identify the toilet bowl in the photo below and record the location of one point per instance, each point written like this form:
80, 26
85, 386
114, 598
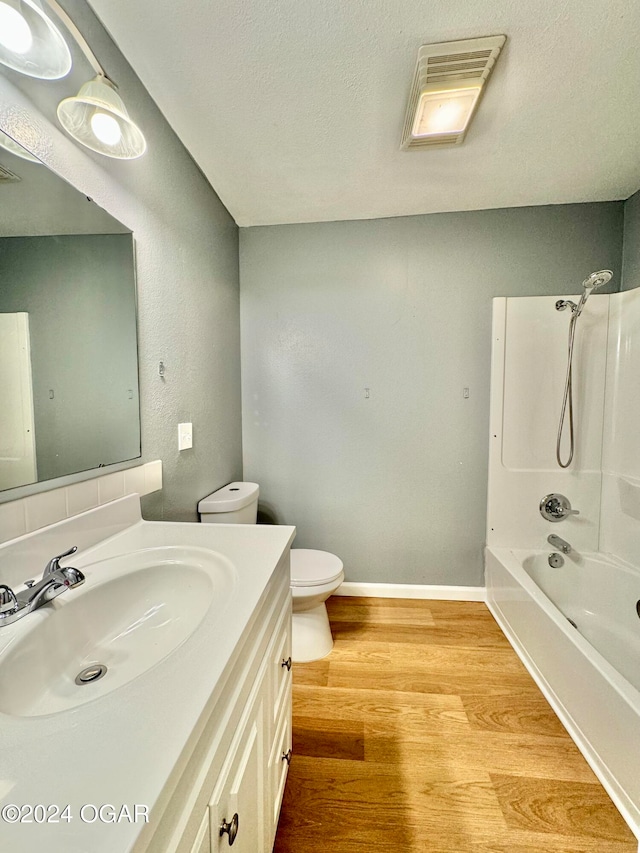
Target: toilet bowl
315, 575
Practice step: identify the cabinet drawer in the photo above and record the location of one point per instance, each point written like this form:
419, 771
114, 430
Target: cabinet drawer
280, 658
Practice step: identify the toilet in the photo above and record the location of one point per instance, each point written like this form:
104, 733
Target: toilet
315, 575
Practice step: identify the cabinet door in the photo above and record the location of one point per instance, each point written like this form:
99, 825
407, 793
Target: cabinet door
202, 844
278, 767
279, 719
281, 664
237, 806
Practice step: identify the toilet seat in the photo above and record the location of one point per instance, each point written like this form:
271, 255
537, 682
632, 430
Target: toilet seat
314, 568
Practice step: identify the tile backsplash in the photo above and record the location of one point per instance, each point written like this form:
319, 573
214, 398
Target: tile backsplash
28, 514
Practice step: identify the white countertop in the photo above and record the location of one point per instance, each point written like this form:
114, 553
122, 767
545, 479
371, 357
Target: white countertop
120, 749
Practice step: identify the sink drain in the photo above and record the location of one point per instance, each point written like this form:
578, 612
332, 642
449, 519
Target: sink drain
571, 622
91, 673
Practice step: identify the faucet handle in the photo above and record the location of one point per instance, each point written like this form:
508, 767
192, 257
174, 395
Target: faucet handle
54, 563
72, 577
556, 507
8, 600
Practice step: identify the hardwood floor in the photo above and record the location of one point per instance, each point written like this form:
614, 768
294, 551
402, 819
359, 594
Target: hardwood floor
423, 733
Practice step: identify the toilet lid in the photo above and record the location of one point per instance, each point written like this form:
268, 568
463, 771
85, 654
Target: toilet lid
312, 568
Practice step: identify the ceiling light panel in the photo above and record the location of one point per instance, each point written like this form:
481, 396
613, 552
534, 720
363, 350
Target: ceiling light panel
446, 90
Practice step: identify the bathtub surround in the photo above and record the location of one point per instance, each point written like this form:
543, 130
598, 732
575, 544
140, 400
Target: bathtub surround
620, 506
631, 245
529, 358
187, 272
359, 339
603, 482
620, 517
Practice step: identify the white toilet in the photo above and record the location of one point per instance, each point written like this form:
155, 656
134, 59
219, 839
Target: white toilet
315, 575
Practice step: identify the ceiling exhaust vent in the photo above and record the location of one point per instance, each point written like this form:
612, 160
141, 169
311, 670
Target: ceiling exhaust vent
446, 90
7, 177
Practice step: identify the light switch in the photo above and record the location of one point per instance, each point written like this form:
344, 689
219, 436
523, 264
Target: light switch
185, 436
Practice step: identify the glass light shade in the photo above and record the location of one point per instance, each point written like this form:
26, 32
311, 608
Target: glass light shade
444, 111
15, 32
98, 119
30, 43
13, 147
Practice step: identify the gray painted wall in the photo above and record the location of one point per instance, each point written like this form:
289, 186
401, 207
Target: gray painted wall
631, 250
394, 484
187, 267
79, 292
41, 204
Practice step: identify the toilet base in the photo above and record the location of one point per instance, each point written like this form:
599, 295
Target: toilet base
311, 634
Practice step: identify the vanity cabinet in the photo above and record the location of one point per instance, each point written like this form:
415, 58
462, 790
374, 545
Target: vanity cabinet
191, 722
229, 792
202, 843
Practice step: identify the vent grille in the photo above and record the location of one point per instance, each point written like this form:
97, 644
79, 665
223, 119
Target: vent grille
7, 177
443, 66
436, 141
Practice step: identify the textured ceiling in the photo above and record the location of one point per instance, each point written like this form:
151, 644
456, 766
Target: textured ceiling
293, 109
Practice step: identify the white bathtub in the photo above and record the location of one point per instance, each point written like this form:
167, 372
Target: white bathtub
590, 673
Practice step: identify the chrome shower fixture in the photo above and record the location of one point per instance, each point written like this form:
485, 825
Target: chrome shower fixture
591, 283
561, 304
597, 279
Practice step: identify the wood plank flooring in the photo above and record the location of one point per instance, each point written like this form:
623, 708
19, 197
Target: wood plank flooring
423, 733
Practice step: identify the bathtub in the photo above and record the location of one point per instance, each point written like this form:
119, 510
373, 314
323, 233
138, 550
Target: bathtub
577, 630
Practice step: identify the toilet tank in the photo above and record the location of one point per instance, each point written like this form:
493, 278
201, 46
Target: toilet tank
236, 503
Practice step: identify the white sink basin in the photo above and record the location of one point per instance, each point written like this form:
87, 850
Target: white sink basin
131, 613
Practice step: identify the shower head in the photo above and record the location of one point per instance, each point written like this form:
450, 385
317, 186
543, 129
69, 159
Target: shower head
591, 283
597, 279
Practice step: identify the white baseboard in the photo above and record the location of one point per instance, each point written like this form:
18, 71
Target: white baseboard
411, 590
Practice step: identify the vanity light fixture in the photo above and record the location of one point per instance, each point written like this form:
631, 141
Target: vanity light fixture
448, 82
30, 42
96, 117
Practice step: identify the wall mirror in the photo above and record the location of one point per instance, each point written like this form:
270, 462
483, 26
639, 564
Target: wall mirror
69, 397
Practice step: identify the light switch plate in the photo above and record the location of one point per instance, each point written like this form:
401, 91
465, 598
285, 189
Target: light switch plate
185, 436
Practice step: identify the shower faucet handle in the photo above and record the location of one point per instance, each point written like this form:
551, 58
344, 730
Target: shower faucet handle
556, 507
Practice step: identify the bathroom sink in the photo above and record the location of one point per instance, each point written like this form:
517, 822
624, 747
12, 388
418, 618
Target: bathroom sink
133, 611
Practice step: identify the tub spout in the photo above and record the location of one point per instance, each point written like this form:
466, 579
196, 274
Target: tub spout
560, 544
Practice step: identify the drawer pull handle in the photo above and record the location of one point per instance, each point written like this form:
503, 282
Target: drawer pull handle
286, 756
231, 828
287, 663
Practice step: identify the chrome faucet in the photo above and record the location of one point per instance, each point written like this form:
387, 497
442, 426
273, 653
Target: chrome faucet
55, 580
559, 543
